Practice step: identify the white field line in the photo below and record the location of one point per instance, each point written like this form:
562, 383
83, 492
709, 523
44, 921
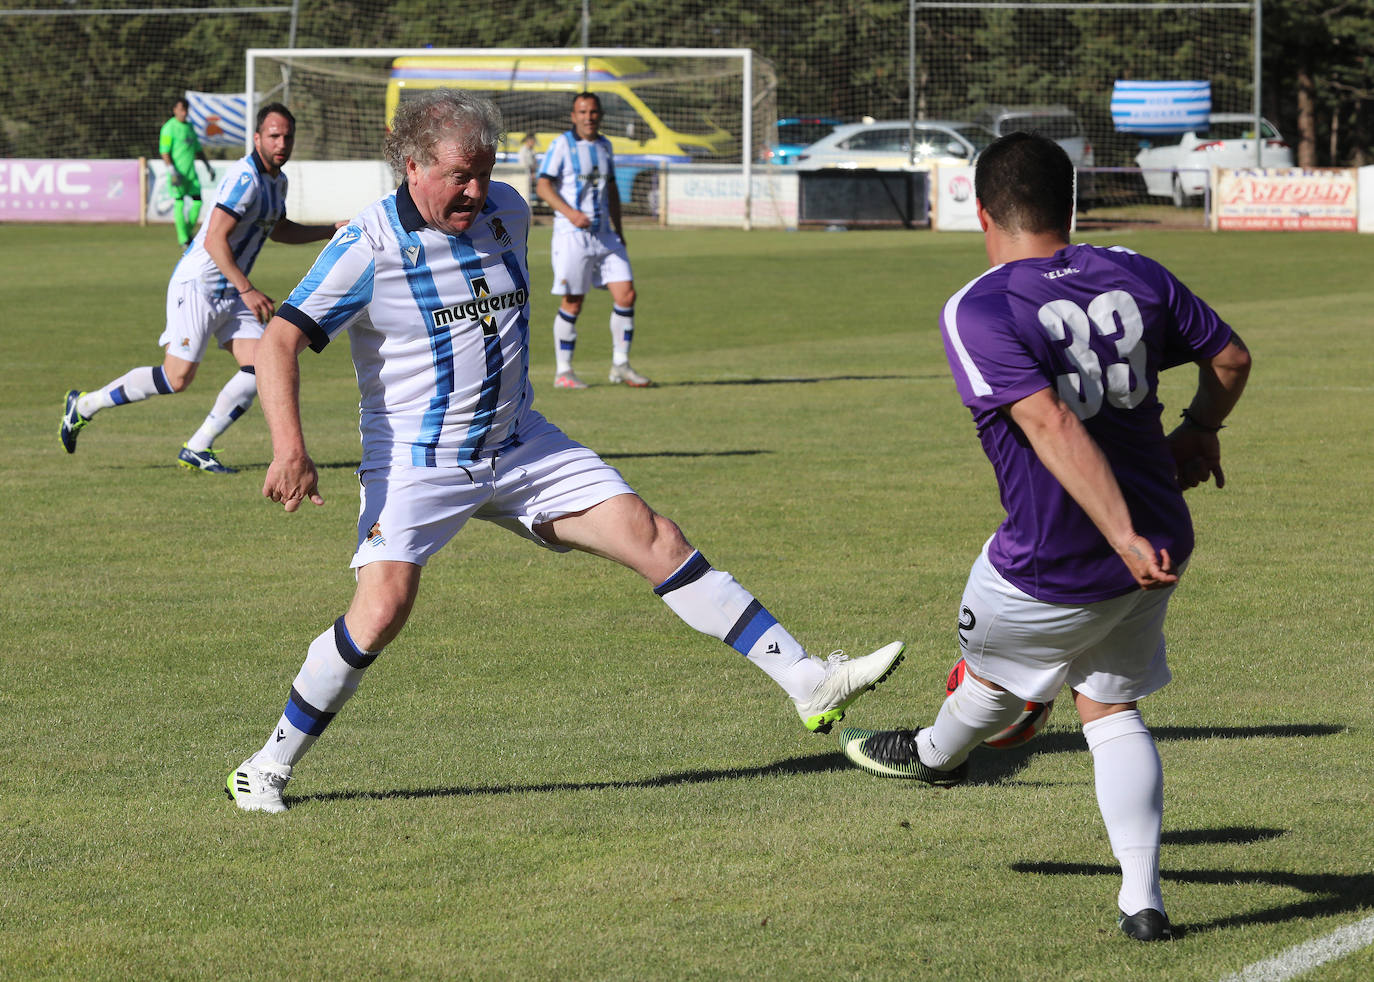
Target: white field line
1303, 958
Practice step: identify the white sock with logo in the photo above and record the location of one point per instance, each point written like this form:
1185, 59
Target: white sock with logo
622, 334
134, 385
333, 668
1130, 795
231, 403
972, 713
713, 602
565, 340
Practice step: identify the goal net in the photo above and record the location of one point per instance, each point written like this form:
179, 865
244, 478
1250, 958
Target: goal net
974, 57
96, 78
660, 107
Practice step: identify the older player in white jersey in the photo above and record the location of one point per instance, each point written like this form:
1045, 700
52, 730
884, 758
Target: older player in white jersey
1056, 350
211, 298
577, 180
431, 285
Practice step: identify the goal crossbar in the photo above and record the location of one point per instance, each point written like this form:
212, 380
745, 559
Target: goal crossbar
746, 56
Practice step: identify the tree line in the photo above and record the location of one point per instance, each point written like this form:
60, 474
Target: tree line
99, 85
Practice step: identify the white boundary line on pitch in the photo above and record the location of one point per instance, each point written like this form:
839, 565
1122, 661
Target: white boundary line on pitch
1302, 958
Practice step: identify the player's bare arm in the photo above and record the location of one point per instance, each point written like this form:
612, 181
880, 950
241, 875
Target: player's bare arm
1194, 442
1064, 446
291, 477
548, 193
222, 223
288, 232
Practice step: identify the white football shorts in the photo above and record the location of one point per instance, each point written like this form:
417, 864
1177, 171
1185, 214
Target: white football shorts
1112, 651
584, 260
409, 513
193, 318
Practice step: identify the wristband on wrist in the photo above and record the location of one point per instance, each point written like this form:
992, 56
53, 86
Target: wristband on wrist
1191, 420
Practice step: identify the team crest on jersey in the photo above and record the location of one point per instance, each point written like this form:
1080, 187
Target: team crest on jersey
498, 231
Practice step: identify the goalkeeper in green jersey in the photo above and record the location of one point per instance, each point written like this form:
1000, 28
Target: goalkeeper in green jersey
180, 147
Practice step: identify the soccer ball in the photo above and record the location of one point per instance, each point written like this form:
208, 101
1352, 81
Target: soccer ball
1028, 724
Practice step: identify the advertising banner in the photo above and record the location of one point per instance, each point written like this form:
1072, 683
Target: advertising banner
955, 207
1367, 199
705, 194
160, 197
1287, 199
69, 190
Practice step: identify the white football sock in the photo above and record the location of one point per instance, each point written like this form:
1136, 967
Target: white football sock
565, 340
231, 403
134, 385
713, 602
622, 334
971, 714
333, 667
1130, 794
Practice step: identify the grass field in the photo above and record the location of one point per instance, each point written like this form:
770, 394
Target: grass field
548, 776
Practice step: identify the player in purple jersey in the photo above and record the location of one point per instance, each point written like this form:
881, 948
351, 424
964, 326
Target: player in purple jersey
432, 286
1056, 351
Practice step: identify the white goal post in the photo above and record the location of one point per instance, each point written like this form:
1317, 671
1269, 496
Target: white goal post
661, 106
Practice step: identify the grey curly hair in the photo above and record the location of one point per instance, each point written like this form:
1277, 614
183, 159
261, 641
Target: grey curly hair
441, 114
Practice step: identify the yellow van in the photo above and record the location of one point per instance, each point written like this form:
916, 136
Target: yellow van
535, 94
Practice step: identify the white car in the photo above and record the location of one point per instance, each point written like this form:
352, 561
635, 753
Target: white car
888, 144
1181, 171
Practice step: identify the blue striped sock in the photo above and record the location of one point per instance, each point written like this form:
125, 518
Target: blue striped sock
333, 668
713, 602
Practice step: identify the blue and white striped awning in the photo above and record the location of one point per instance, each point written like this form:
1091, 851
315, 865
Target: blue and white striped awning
1160, 107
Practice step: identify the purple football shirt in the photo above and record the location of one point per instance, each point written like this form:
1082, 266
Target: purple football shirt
1098, 325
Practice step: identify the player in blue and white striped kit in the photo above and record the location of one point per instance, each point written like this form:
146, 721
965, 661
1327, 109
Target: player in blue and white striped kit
210, 296
432, 286
577, 180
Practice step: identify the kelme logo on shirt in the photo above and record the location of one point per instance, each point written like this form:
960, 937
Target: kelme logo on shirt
482, 307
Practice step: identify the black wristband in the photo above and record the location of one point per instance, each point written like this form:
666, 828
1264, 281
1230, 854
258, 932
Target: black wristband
1191, 420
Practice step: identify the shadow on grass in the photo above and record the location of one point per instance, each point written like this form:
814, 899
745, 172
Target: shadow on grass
352, 465
1327, 893
811, 764
241, 467
684, 453
998, 766
790, 380
991, 767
